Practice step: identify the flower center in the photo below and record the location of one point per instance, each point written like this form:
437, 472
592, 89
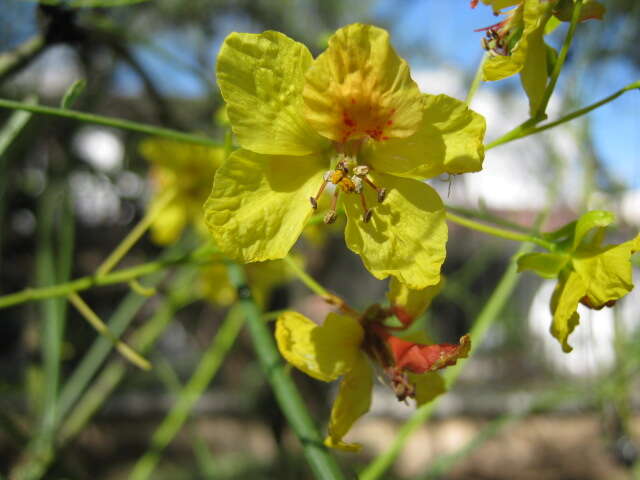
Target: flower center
348, 177
502, 37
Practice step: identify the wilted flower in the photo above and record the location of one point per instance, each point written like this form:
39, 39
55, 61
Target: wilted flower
350, 345
588, 272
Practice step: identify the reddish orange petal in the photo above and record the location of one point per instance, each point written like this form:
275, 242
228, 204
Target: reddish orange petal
419, 358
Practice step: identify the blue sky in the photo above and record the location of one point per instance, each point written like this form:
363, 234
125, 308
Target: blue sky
431, 34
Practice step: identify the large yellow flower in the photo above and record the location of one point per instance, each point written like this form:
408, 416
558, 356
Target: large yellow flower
353, 120
349, 346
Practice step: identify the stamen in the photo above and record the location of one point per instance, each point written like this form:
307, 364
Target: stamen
325, 180
382, 192
366, 216
331, 215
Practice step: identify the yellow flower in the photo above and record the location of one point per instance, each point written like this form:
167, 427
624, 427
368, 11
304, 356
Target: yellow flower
186, 169
588, 272
352, 120
263, 277
347, 345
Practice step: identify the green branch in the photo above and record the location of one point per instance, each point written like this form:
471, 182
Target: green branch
293, 407
499, 232
110, 122
526, 129
200, 255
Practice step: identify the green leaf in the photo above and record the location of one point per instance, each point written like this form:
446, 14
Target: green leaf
546, 265
72, 93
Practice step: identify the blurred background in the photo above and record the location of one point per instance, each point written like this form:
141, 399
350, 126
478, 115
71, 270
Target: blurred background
70, 191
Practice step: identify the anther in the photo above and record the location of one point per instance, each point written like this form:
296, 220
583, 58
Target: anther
367, 212
382, 192
331, 215
314, 200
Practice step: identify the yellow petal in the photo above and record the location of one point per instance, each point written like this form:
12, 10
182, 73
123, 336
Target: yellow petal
606, 272
535, 14
413, 302
324, 352
353, 401
428, 386
261, 79
168, 226
260, 203
564, 304
449, 140
407, 233
359, 87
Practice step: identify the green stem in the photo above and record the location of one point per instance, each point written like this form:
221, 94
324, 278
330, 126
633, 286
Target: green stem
499, 232
477, 79
305, 278
557, 68
110, 122
90, 316
200, 255
190, 394
582, 111
134, 235
320, 460
488, 217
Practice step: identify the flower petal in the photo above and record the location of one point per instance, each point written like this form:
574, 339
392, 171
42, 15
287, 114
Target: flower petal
606, 272
428, 386
536, 13
535, 71
261, 79
589, 221
260, 203
322, 351
419, 358
407, 304
360, 87
564, 303
168, 226
353, 401
407, 234
449, 140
